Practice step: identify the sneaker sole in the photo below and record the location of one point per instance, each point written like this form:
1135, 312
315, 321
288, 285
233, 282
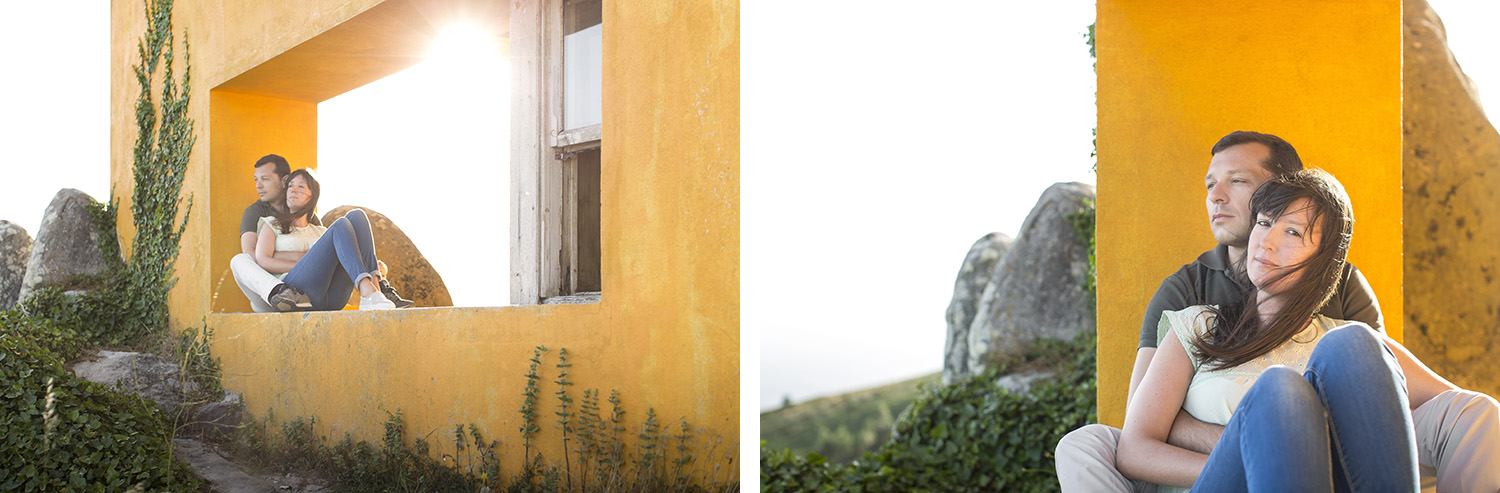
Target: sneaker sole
290, 306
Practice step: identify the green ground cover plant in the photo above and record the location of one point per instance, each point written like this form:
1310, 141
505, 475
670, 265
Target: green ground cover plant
62, 433
969, 436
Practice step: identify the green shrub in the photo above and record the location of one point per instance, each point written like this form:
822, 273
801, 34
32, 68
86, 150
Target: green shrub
969, 436
61, 433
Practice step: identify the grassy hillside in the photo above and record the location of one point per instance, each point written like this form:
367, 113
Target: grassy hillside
841, 427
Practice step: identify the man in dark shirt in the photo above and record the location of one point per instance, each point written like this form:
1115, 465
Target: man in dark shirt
1241, 162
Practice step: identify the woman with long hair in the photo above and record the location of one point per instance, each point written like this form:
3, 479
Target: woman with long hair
326, 264
1308, 403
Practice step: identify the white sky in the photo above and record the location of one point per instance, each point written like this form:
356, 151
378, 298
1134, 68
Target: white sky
55, 131
890, 139
429, 148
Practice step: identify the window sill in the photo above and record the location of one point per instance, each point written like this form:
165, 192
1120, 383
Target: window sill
583, 298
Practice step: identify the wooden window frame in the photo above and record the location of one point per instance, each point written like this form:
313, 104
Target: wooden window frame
544, 241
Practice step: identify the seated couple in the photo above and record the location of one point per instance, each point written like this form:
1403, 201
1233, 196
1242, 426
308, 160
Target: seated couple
1262, 366
290, 262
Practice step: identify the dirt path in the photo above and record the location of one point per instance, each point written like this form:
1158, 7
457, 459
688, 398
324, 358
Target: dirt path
226, 477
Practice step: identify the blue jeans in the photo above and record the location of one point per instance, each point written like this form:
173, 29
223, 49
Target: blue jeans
340, 259
1343, 425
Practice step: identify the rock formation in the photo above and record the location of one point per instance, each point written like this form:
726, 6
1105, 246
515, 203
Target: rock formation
143, 374
15, 252
158, 380
1450, 176
410, 273
66, 245
1036, 288
973, 276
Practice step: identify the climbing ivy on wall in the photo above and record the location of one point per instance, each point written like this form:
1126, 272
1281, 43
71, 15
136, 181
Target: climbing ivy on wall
164, 140
1089, 38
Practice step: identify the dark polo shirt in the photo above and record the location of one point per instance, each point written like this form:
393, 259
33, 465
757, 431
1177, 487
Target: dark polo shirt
1208, 281
260, 209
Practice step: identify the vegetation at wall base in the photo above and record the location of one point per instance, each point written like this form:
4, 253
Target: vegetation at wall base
597, 457
972, 435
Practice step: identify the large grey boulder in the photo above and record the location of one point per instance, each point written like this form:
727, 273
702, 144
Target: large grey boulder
15, 252
1450, 180
1036, 290
67, 243
973, 276
410, 272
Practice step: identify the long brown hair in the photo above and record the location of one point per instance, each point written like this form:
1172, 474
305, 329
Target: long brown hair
1238, 335
308, 211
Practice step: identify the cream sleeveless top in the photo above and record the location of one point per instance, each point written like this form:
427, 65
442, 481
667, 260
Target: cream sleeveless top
1213, 395
299, 240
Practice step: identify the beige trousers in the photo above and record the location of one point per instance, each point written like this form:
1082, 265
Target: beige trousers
1458, 449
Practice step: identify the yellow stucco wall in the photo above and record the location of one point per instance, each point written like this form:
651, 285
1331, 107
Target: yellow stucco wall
1173, 77
666, 332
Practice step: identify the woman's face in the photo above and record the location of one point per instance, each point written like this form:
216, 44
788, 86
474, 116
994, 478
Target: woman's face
297, 193
1279, 244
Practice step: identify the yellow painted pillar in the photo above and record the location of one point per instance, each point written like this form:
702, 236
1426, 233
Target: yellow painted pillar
1173, 77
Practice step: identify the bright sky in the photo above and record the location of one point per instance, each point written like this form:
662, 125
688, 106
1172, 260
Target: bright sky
56, 126
429, 148
890, 140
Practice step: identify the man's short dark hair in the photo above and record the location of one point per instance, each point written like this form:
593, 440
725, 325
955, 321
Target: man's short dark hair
1283, 159
282, 168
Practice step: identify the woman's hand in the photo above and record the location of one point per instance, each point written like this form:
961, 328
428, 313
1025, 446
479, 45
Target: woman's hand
1144, 453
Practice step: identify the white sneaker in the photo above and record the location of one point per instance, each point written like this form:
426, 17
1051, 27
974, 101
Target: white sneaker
376, 301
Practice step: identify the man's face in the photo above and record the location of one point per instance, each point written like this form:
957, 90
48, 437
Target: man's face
1233, 176
267, 183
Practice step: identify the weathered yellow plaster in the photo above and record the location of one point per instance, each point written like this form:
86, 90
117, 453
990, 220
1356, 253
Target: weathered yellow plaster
1173, 77
666, 332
